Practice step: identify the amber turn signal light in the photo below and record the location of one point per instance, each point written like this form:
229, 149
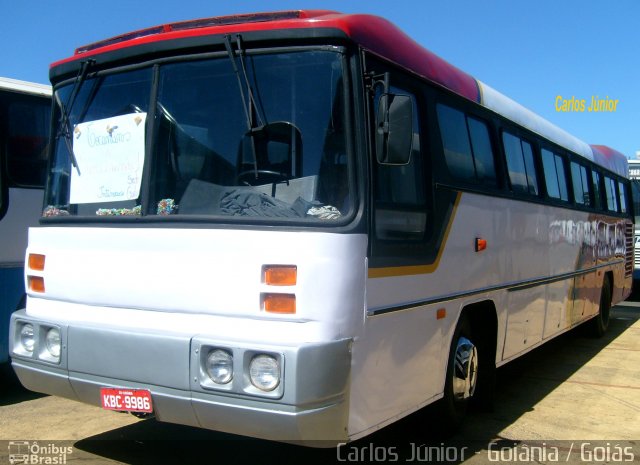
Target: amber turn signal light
280, 275
36, 283
36, 261
481, 244
279, 303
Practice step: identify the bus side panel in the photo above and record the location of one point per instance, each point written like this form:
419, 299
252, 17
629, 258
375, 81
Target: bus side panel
557, 311
538, 271
586, 291
398, 364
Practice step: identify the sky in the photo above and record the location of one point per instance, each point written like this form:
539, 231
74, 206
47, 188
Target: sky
541, 53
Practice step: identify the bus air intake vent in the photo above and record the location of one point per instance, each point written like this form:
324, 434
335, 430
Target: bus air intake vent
236, 19
205, 22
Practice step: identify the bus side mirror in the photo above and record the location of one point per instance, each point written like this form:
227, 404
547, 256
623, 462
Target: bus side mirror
394, 129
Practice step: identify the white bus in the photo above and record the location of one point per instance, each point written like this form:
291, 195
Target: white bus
25, 109
304, 226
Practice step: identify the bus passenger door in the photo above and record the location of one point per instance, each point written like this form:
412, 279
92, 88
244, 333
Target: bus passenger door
403, 337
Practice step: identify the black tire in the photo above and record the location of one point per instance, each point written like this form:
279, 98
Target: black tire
600, 323
461, 381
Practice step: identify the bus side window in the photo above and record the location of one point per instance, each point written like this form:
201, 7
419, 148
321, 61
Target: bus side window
27, 141
554, 175
467, 146
611, 195
623, 197
581, 192
597, 190
521, 165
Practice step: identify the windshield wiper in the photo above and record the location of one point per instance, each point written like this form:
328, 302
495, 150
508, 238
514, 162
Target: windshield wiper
65, 123
249, 106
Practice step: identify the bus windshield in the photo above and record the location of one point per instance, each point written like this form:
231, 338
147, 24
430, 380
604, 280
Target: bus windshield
253, 136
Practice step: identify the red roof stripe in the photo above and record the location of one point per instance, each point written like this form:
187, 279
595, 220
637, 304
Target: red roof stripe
371, 32
611, 159
385, 39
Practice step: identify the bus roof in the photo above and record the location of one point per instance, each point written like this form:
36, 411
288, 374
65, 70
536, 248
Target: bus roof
376, 35
24, 87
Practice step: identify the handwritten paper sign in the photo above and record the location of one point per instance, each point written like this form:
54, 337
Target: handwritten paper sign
110, 157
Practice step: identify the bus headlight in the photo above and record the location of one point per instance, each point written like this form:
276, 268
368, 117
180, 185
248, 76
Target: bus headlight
27, 337
219, 366
53, 342
264, 371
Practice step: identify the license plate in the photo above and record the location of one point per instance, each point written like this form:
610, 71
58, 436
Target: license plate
126, 400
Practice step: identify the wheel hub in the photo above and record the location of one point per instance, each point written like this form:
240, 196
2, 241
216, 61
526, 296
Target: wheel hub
465, 373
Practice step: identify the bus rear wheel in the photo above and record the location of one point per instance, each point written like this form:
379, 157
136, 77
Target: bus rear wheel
600, 323
462, 375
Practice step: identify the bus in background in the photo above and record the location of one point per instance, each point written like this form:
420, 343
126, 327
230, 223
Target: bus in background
303, 226
634, 177
25, 110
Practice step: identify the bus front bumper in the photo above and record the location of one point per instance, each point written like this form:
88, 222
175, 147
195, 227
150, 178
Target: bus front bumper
308, 405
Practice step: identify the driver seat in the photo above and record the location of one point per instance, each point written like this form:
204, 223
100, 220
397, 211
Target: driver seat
270, 154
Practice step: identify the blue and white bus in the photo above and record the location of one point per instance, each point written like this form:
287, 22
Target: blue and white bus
25, 110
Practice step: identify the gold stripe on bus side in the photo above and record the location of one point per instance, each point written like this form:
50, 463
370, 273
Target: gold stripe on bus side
410, 270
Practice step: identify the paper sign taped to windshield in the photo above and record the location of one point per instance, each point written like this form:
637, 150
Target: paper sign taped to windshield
110, 156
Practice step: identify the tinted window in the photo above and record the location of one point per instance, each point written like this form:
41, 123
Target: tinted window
623, 198
597, 190
554, 175
466, 145
27, 140
562, 178
610, 191
580, 184
455, 141
482, 151
532, 180
520, 164
585, 185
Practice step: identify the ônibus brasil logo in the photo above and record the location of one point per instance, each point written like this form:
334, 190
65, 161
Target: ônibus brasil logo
31, 452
